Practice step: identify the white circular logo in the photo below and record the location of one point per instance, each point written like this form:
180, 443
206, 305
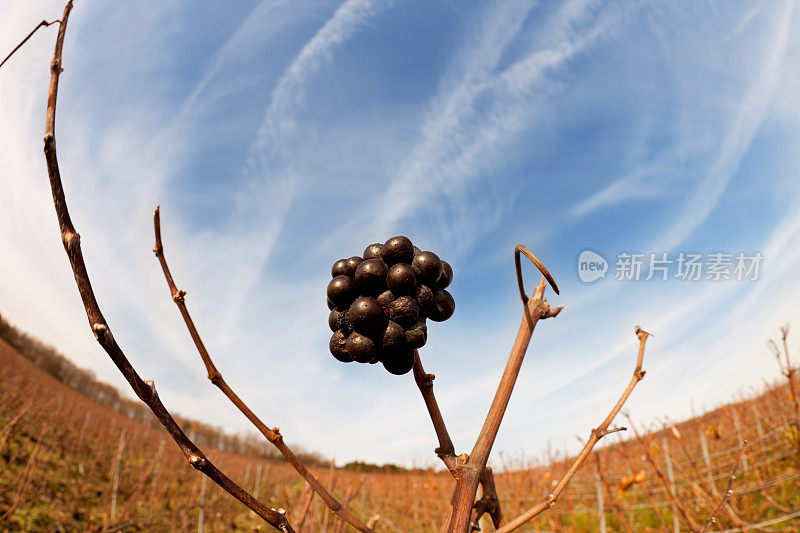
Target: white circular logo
591, 266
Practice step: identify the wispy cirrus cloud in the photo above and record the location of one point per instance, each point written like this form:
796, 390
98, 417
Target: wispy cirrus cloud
482, 104
581, 124
740, 133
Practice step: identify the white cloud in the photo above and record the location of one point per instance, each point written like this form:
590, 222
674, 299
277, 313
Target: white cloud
267, 331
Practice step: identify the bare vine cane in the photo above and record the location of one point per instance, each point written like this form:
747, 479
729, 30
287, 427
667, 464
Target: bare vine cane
596, 434
712, 519
145, 390
670, 491
42, 24
789, 372
469, 468
489, 502
273, 435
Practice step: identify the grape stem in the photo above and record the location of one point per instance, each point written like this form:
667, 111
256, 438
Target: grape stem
446, 450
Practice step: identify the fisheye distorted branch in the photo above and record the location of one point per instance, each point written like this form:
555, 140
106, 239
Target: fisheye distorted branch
273, 435
596, 434
470, 470
145, 390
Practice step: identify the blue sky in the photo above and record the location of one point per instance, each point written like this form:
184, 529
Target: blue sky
280, 136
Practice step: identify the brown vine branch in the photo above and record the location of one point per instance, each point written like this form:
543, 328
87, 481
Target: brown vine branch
626, 457
789, 372
596, 435
703, 491
446, 450
613, 501
522, 249
712, 519
489, 502
273, 435
145, 390
663, 479
470, 470
42, 24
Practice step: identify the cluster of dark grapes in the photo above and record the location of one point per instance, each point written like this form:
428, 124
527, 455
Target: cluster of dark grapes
379, 303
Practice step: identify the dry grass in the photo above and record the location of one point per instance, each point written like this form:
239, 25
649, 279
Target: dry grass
59, 455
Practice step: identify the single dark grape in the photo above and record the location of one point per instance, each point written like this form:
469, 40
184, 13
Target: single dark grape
333, 320
401, 279
371, 276
398, 361
338, 347
425, 300
393, 335
385, 298
398, 250
339, 320
338, 268
366, 315
361, 348
446, 277
351, 265
373, 251
404, 311
445, 306
342, 291
427, 267
417, 336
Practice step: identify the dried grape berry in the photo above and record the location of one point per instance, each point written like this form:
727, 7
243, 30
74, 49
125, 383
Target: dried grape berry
366, 315
351, 265
425, 300
446, 277
339, 320
342, 291
417, 336
333, 320
404, 311
384, 299
371, 276
398, 361
373, 251
393, 336
445, 306
338, 268
401, 279
427, 267
338, 347
398, 250
361, 348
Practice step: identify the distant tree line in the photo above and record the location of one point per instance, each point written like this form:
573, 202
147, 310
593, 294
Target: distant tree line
84, 381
